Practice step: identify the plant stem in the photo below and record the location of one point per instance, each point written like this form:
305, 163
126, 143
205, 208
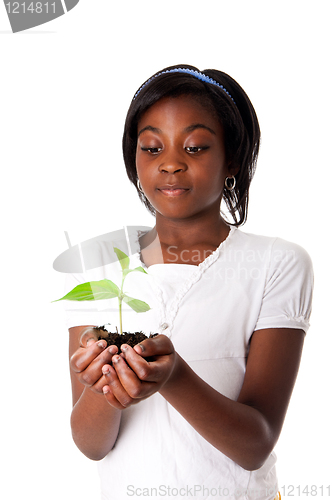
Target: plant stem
120, 317
120, 299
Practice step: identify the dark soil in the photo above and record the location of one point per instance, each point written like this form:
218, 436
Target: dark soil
126, 338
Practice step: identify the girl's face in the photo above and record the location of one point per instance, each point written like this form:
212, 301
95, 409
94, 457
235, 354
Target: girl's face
180, 158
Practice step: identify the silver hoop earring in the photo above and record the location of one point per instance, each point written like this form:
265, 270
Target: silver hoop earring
227, 184
139, 186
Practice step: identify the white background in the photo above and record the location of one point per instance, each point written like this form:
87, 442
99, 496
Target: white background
65, 89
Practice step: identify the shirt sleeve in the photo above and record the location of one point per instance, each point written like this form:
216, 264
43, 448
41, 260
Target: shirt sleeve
287, 297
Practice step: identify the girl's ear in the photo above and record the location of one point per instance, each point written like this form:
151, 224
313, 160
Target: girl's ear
233, 169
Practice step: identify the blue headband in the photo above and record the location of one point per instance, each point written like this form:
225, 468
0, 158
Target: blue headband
196, 74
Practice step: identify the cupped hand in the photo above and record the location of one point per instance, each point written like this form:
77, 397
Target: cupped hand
89, 358
132, 377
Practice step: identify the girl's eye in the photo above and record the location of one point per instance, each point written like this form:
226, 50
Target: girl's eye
195, 149
153, 151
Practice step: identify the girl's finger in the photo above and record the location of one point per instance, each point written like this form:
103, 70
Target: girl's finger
114, 391
142, 368
84, 356
155, 346
88, 367
135, 388
88, 335
140, 377
111, 399
155, 371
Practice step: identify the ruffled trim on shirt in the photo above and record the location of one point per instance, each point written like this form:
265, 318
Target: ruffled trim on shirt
137, 248
168, 314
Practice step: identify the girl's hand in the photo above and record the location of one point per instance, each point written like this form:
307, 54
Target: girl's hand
88, 360
132, 378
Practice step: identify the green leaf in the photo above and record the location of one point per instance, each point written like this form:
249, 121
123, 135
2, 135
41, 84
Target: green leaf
137, 305
127, 271
122, 257
93, 290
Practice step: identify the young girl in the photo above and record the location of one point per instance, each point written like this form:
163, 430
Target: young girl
197, 410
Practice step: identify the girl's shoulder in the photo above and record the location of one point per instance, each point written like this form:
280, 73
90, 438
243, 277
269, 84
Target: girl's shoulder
283, 268
272, 248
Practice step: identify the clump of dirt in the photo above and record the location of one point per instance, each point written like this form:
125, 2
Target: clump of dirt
118, 339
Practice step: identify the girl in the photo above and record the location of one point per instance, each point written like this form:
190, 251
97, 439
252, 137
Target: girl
197, 410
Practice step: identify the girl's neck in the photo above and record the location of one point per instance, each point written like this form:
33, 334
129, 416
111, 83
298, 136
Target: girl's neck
191, 232
182, 242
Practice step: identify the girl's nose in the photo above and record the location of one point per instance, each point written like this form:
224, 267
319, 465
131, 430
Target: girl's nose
173, 164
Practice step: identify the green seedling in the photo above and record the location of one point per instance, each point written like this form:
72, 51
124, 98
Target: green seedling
106, 289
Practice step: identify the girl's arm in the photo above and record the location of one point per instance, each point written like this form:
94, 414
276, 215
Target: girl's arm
245, 430
94, 423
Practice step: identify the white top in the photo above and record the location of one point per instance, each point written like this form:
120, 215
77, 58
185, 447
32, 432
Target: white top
249, 283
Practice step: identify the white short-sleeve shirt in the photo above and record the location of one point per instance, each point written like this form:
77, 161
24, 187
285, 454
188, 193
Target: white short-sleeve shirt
248, 283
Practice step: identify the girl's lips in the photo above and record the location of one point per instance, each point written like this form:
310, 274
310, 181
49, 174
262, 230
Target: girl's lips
168, 191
